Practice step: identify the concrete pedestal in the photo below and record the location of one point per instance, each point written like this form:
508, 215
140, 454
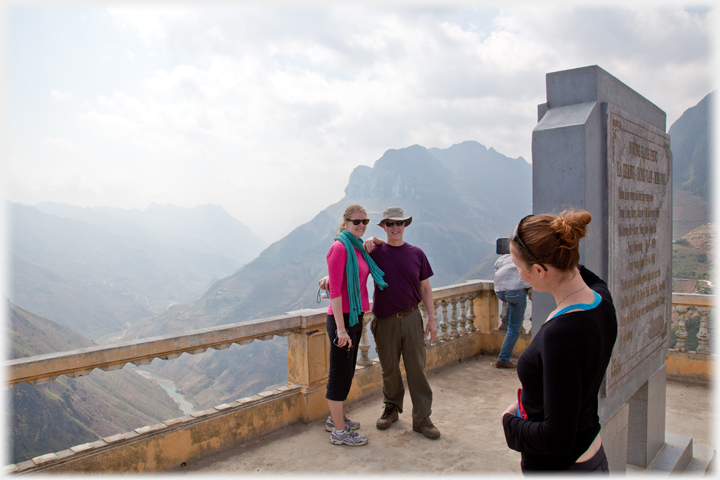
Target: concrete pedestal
646, 421
614, 436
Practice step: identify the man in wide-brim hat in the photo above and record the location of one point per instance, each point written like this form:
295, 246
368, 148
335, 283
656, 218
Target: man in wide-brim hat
398, 326
395, 213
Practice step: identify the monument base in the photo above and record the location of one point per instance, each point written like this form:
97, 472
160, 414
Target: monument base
614, 436
646, 421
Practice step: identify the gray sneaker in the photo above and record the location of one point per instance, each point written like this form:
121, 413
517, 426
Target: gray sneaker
347, 437
351, 424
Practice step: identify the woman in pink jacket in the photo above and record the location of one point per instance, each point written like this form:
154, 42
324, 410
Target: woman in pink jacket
348, 269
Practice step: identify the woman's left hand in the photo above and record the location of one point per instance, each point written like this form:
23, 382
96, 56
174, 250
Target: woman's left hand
512, 409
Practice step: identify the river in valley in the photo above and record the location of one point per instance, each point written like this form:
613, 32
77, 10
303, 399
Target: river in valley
169, 387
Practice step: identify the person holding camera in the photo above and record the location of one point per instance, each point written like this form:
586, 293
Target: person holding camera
510, 288
348, 269
555, 424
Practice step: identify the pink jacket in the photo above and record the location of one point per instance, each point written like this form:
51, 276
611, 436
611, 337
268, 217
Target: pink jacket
336, 259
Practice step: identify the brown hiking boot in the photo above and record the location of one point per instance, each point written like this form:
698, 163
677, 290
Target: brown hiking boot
427, 429
389, 416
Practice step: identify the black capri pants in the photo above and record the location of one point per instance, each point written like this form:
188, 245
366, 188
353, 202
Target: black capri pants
342, 360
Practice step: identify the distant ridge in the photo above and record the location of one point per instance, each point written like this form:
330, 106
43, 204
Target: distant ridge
67, 412
461, 198
691, 140
205, 228
94, 271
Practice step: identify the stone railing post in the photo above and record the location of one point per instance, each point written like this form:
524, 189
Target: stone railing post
486, 309
462, 318
443, 323
471, 313
529, 299
364, 346
453, 318
703, 335
503, 315
308, 351
681, 333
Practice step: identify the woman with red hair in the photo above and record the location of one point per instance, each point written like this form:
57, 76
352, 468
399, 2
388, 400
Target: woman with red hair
555, 424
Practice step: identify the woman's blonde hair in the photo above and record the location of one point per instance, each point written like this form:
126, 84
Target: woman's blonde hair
553, 239
349, 211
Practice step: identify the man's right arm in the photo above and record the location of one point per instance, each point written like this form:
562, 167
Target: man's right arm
370, 243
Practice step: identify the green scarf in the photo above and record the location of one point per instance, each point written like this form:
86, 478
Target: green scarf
352, 272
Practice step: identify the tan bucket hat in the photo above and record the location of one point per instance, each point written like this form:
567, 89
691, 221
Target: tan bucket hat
395, 213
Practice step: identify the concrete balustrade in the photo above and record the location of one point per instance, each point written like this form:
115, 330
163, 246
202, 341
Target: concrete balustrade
691, 366
166, 445
42, 369
468, 315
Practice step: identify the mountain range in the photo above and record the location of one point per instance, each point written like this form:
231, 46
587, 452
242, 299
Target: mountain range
459, 207
96, 269
72, 411
691, 140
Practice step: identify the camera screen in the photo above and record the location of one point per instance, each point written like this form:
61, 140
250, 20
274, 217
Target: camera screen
502, 246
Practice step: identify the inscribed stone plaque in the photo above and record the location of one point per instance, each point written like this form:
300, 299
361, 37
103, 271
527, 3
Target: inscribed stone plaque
639, 243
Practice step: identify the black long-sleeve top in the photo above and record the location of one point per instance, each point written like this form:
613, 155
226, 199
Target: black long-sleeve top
561, 372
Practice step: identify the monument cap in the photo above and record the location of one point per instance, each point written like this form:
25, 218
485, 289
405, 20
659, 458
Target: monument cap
395, 213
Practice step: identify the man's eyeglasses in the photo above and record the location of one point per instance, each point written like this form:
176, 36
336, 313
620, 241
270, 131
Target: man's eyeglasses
516, 238
364, 221
399, 223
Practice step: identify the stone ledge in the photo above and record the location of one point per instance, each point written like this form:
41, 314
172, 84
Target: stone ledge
120, 437
203, 413
50, 461
48, 457
150, 428
23, 466
175, 421
88, 446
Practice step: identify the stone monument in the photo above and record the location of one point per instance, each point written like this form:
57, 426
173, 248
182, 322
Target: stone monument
602, 147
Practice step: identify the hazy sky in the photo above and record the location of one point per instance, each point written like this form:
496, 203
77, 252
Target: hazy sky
266, 110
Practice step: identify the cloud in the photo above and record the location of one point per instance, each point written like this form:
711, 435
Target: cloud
231, 104
61, 96
150, 22
60, 143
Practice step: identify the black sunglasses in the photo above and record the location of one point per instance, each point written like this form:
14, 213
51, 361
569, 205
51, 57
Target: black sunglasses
516, 238
358, 222
399, 223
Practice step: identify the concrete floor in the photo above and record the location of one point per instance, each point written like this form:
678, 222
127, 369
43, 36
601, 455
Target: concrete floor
468, 400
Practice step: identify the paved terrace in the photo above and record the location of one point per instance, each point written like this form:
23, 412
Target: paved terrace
469, 398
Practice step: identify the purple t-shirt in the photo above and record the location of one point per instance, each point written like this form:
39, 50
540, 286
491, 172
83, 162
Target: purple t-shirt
404, 267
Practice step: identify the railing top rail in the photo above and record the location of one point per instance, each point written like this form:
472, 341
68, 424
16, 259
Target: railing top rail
463, 288
114, 356
693, 299
74, 363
